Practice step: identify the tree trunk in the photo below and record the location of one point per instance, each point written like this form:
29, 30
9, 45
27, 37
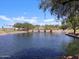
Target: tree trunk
74, 27
74, 31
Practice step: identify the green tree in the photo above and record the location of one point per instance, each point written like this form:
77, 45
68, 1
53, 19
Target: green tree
49, 27
62, 8
28, 26
37, 27
25, 26
18, 25
63, 25
74, 24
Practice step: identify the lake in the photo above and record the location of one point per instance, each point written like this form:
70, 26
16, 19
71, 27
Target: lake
33, 45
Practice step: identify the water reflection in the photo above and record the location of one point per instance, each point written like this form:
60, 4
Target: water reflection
34, 45
42, 53
73, 47
24, 35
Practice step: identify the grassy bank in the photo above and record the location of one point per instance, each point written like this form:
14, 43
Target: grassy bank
11, 32
70, 31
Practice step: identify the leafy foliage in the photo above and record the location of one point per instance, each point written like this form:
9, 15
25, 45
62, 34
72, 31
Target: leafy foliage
49, 27
26, 26
18, 25
64, 25
61, 7
72, 48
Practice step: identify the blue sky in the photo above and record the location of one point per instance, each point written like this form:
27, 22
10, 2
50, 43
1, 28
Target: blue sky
13, 11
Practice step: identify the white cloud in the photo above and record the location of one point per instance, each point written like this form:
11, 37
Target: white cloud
49, 20
4, 18
32, 20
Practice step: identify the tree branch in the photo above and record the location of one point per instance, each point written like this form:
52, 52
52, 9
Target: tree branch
68, 1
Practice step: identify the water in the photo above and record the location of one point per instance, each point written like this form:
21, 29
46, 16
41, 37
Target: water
33, 45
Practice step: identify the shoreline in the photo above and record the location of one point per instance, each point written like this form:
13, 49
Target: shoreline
53, 31
14, 32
